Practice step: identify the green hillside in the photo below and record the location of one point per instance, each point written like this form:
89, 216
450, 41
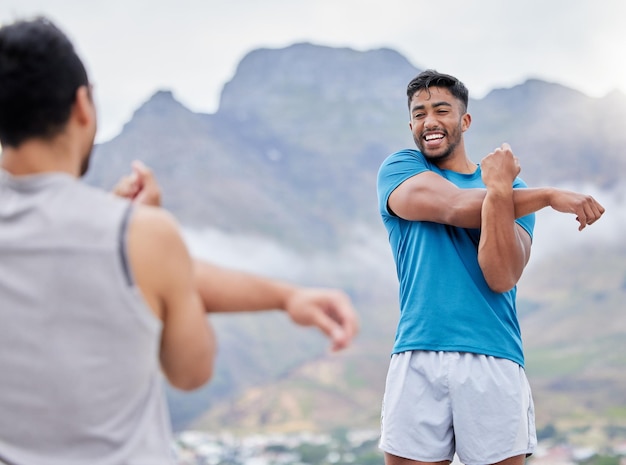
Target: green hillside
575, 335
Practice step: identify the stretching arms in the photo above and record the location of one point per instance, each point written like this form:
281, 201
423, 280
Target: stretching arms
429, 197
221, 289
504, 247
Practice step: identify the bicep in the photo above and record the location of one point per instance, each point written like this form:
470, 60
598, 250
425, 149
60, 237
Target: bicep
428, 196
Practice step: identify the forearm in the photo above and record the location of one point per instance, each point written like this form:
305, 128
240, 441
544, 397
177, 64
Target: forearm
429, 197
531, 200
468, 212
501, 251
227, 290
464, 210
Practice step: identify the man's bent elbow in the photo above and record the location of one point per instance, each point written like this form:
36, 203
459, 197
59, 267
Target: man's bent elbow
192, 381
500, 278
501, 282
500, 287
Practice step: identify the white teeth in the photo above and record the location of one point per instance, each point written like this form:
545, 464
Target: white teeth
433, 136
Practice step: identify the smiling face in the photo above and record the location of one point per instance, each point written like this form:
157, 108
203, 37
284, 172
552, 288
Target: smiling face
438, 121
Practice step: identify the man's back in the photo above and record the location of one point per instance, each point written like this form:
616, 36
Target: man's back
78, 346
88, 326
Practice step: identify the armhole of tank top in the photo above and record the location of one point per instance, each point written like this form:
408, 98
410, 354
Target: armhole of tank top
4, 461
123, 243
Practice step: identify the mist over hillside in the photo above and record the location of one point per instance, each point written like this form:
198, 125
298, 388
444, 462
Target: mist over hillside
281, 180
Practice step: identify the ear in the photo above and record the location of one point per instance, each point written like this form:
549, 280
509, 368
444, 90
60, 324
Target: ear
466, 122
83, 109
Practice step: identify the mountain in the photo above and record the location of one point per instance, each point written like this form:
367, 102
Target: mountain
288, 130
283, 175
559, 134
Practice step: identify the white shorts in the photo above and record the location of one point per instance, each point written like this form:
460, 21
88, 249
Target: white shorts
439, 403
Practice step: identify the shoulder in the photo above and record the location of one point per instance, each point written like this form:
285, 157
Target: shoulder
154, 221
410, 159
405, 155
155, 233
401, 165
86, 209
84, 197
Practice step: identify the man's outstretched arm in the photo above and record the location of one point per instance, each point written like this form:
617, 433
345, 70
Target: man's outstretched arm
226, 290
429, 197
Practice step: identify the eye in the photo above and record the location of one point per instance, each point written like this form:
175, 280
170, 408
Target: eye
418, 115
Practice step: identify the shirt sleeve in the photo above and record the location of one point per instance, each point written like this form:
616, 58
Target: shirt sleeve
396, 169
527, 222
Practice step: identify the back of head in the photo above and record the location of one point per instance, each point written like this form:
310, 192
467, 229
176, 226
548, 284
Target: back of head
39, 75
432, 78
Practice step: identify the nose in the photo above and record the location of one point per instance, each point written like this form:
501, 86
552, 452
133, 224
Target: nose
430, 123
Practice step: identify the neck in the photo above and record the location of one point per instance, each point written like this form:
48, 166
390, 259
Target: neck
37, 156
457, 161
463, 166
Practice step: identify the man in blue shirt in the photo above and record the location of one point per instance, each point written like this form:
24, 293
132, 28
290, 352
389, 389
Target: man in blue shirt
460, 233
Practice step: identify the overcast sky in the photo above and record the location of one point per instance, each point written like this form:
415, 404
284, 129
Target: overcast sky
133, 48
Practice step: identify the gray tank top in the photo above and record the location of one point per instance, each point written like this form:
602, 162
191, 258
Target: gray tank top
80, 381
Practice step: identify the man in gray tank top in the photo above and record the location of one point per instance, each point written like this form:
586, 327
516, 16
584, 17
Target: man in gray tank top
98, 294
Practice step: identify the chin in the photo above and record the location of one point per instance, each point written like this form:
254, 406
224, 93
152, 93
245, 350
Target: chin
435, 158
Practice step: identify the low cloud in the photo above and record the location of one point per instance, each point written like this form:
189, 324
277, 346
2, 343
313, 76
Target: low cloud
367, 254
558, 232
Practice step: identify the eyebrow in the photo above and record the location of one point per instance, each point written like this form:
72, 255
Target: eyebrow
435, 105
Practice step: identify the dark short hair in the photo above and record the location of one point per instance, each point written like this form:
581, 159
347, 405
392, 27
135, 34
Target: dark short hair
39, 75
432, 78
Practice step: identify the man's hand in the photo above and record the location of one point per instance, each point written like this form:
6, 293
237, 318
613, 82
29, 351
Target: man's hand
140, 186
585, 207
499, 168
328, 309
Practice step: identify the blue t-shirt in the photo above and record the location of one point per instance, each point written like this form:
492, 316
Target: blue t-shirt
445, 302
